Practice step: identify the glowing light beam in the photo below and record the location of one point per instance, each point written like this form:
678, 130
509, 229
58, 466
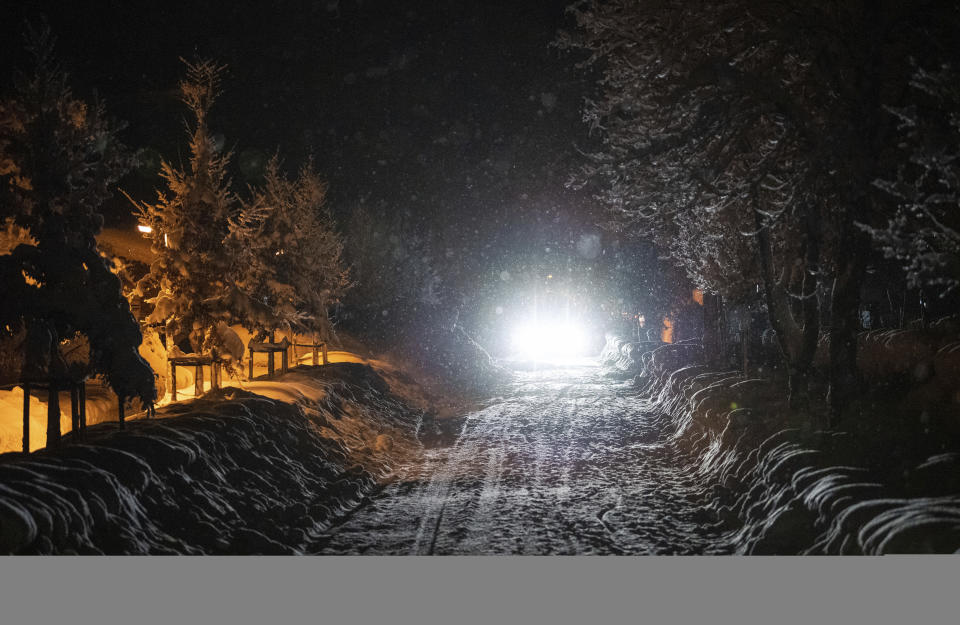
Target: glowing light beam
549, 341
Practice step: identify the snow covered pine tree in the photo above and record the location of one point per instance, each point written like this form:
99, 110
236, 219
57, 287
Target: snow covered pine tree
59, 159
189, 281
289, 255
272, 262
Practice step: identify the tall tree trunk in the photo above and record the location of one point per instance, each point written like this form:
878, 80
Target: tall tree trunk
845, 322
798, 343
713, 331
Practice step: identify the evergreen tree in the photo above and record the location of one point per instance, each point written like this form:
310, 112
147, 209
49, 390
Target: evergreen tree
189, 283
290, 265
59, 160
271, 262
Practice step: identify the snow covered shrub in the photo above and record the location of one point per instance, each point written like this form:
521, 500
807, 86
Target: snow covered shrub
59, 160
289, 254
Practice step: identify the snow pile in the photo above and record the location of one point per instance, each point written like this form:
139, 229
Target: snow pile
262, 470
801, 500
786, 488
624, 355
616, 353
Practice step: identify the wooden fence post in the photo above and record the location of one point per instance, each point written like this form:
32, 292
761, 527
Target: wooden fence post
53, 415
83, 408
173, 381
26, 418
75, 408
198, 380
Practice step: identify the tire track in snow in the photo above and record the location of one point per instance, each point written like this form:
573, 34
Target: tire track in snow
552, 466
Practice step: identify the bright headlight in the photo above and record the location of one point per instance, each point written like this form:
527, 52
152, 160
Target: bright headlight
549, 340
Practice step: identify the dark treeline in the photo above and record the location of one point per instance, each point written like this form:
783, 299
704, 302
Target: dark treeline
794, 158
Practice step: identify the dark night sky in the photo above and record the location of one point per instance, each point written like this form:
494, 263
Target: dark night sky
456, 114
426, 98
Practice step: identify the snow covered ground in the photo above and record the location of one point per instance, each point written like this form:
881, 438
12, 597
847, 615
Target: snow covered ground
564, 461
573, 459
786, 488
262, 469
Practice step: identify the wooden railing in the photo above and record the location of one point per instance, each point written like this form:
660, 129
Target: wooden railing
198, 361
270, 349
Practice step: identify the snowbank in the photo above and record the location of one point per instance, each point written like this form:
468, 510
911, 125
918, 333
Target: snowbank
264, 469
626, 357
786, 488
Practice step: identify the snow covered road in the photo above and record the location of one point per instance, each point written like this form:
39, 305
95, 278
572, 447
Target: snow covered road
567, 461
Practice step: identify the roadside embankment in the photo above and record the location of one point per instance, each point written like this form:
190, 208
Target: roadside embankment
783, 487
263, 469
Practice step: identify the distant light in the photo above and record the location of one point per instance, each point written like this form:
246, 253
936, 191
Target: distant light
144, 229
549, 341
549, 276
166, 243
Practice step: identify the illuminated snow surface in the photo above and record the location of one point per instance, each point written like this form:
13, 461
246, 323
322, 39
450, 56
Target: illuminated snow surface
232, 472
571, 459
566, 461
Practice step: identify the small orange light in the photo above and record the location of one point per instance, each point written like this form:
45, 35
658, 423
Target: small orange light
666, 335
